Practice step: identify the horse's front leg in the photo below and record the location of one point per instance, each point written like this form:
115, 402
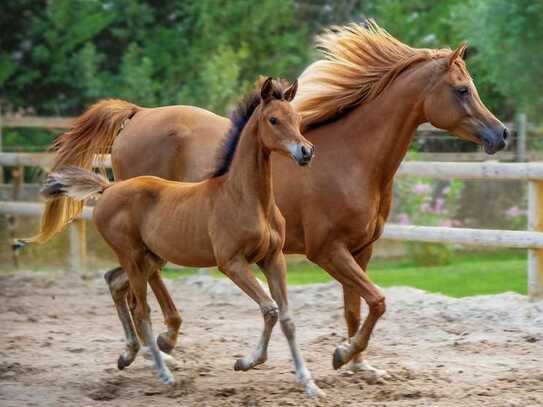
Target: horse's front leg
352, 303
274, 267
341, 265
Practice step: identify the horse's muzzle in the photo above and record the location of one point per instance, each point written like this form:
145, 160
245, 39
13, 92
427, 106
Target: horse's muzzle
495, 140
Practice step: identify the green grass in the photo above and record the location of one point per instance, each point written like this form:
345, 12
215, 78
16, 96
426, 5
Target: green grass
471, 273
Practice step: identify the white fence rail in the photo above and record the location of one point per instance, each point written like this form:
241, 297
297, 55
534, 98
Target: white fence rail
530, 172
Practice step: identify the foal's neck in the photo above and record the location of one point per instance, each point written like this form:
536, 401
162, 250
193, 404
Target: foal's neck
249, 176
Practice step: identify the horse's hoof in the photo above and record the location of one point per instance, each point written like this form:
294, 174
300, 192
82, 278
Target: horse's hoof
163, 344
340, 357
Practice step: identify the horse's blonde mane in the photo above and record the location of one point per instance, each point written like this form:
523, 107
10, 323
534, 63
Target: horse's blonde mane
359, 62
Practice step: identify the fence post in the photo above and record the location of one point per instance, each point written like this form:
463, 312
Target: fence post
535, 256
78, 246
1, 167
521, 137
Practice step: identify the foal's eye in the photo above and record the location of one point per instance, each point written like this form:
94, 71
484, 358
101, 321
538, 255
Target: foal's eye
273, 121
462, 91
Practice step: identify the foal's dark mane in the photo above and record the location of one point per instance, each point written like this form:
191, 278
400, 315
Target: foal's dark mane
240, 117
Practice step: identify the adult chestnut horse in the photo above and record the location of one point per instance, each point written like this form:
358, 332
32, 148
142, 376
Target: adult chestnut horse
360, 104
229, 220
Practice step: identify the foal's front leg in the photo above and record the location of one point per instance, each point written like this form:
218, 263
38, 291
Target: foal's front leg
172, 318
239, 272
274, 267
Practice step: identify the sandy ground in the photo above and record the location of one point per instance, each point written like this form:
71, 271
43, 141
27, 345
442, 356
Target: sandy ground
60, 338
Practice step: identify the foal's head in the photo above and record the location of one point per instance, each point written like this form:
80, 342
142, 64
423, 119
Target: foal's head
279, 124
453, 104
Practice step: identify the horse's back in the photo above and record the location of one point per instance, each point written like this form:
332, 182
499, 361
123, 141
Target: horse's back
171, 142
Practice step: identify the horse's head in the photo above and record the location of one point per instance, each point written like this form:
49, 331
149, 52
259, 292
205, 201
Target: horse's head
453, 104
279, 124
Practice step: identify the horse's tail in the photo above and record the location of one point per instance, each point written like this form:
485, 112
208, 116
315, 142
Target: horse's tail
73, 182
92, 133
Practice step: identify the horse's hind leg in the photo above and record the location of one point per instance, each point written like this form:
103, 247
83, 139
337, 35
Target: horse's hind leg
138, 272
118, 286
172, 318
275, 268
239, 272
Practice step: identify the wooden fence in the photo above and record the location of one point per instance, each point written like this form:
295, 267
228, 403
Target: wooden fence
531, 239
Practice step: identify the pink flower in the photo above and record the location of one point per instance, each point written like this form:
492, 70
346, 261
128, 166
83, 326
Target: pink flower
425, 207
421, 189
439, 205
513, 212
403, 219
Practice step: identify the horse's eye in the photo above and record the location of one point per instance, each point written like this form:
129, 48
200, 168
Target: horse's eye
462, 91
273, 121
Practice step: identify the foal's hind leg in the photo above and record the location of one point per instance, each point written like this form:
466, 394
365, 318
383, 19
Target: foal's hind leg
138, 271
118, 286
274, 267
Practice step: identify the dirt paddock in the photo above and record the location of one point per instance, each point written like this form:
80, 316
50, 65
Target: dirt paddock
60, 339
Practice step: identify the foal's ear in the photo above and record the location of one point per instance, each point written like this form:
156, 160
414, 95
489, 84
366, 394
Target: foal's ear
458, 53
291, 91
266, 91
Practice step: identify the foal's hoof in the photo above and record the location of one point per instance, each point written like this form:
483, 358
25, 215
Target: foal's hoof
314, 391
163, 344
124, 361
340, 357
165, 376
247, 363
241, 365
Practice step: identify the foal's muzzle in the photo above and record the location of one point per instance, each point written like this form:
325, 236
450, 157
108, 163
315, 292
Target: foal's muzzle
301, 153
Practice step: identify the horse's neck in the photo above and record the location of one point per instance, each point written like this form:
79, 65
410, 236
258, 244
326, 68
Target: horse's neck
249, 176
383, 128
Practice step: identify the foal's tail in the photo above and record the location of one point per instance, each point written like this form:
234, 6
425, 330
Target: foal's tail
92, 133
74, 182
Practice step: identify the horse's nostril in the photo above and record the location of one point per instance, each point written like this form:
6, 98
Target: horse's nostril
505, 133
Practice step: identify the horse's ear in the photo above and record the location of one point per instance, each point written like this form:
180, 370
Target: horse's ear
291, 91
266, 91
458, 53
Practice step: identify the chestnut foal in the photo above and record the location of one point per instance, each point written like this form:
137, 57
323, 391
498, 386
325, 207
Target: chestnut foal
230, 220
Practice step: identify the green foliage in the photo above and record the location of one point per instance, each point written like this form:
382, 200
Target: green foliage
204, 52
57, 57
507, 36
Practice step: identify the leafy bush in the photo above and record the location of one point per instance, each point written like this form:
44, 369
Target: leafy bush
428, 204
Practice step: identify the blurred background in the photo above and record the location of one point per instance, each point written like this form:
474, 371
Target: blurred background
59, 56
